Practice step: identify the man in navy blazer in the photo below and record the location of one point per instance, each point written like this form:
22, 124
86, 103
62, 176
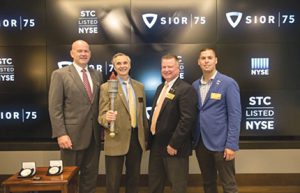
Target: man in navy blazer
171, 129
218, 126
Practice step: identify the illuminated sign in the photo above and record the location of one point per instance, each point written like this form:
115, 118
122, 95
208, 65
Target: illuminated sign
88, 22
17, 23
190, 19
106, 68
260, 66
234, 18
181, 67
260, 113
22, 115
149, 19
7, 70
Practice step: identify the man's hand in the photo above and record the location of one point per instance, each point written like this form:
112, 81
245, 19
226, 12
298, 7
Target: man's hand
171, 150
64, 142
229, 154
111, 115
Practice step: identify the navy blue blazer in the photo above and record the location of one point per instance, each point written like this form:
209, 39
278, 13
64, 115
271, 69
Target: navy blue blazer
176, 120
219, 117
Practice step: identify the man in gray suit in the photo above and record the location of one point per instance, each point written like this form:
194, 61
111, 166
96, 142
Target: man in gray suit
131, 127
73, 109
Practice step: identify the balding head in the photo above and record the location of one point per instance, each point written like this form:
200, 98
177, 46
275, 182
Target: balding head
80, 53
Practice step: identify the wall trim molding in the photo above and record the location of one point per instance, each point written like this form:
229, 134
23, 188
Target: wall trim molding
242, 179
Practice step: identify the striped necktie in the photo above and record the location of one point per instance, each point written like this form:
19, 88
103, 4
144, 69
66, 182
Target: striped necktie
87, 85
131, 104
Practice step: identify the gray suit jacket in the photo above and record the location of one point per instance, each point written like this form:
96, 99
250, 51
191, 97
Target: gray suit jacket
71, 112
119, 145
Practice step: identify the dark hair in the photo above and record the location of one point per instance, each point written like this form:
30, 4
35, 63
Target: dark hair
209, 48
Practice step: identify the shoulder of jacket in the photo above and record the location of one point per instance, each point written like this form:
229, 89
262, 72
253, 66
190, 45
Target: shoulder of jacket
137, 83
104, 85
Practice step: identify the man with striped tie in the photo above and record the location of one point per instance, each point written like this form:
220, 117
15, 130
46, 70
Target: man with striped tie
130, 124
73, 110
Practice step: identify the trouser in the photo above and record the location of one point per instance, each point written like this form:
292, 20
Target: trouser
88, 162
213, 163
114, 167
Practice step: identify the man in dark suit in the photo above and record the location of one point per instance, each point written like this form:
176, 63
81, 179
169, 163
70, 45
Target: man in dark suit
73, 109
172, 121
218, 127
131, 128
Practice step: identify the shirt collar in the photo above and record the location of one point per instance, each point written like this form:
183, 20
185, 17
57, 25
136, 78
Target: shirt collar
170, 84
78, 68
124, 81
211, 79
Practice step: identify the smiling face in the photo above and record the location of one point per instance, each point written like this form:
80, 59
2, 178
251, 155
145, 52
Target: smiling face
122, 65
169, 68
207, 61
80, 53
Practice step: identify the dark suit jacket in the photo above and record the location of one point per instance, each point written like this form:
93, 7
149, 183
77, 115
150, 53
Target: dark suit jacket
219, 118
176, 119
70, 109
119, 145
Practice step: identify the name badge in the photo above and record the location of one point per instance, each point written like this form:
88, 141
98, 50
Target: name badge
170, 96
216, 96
140, 99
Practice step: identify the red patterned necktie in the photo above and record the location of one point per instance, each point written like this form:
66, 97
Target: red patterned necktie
87, 84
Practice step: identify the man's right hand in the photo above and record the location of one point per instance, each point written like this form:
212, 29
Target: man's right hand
111, 115
64, 142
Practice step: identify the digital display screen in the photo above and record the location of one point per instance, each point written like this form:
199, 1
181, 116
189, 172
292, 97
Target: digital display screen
192, 21
22, 23
23, 93
269, 87
96, 21
257, 44
249, 21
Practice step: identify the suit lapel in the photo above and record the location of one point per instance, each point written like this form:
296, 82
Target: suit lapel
214, 87
158, 90
95, 83
122, 96
197, 88
77, 80
137, 94
79, 83
176, 83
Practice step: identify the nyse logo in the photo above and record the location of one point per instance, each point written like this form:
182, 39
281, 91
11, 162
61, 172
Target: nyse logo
260, 66
234, 18
7, 70
260, 113
149, 19
88, 22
